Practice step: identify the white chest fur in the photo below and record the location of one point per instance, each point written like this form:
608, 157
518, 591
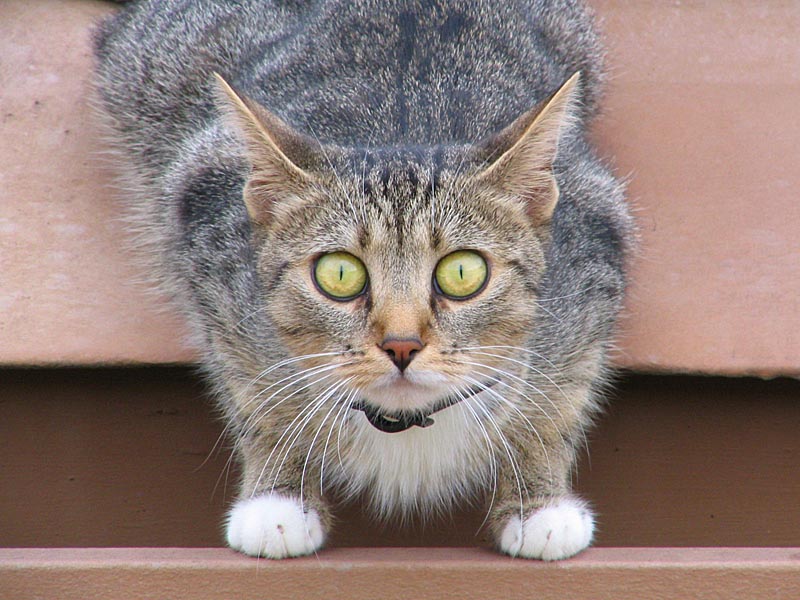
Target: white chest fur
417, 468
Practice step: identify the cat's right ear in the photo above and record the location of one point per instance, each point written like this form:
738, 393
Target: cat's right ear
276, 153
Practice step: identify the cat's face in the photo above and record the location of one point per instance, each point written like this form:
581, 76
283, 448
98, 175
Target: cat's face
404, 276
406, 285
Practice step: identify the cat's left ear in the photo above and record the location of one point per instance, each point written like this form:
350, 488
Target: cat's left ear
279, 156
526, 150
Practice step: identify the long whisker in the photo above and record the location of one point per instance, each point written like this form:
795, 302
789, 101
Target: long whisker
506, 447
525, 365
490, 417
336, 404
553, 383
555, 368
525, 396
482, 387
257, 415
293, 379
255, 418
528, 365
286, 435
345, 420
492, 458
581, 431
324, 450
522, 381
506, 402
345, 405
297, 430
287, 362
254, 381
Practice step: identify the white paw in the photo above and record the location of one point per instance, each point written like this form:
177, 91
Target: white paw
553, 532
274, 526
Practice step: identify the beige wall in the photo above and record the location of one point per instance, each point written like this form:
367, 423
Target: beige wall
702, 115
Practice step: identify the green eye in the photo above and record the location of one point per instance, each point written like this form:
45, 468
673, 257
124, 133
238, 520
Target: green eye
461, 274
340, 275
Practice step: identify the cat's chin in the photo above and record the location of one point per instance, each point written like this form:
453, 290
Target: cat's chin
406, 394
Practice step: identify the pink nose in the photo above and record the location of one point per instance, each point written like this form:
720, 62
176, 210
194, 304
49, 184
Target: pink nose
401, 350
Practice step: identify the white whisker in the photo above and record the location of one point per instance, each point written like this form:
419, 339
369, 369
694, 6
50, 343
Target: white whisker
513, 348
505, 402
345, 405
319, 429
492, 458
257, 415
506, 447
522, 381
299, 421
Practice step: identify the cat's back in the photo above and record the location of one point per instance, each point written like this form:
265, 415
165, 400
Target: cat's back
361, 72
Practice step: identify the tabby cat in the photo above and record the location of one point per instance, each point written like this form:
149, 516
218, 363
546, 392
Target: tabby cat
400, 256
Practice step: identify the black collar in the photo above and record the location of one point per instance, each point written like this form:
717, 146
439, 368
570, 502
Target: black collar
401, 421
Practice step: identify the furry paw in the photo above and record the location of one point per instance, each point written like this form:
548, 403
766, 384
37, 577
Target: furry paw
274, 526
553, 532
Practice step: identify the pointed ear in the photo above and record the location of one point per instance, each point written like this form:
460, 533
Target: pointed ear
527, 149
276, 152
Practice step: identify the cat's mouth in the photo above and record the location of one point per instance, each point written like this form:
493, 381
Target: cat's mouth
401, 421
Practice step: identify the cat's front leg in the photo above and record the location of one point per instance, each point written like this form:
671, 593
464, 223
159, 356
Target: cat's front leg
275, 525
535, 515
277, 521
548, 529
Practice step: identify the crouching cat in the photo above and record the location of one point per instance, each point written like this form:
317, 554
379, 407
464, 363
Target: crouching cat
400, 256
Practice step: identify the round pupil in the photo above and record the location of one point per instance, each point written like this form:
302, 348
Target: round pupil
461, 273
340, 275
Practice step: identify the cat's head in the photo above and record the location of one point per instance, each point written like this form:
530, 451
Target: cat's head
402, 276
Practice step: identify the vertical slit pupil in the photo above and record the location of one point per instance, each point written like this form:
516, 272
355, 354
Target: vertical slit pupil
461, 271
341, 272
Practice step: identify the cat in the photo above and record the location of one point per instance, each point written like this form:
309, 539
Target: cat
400, 256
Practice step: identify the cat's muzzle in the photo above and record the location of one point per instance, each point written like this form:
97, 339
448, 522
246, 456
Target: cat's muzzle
395, 423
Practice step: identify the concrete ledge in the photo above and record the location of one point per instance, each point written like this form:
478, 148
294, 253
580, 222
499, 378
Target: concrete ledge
388, 573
